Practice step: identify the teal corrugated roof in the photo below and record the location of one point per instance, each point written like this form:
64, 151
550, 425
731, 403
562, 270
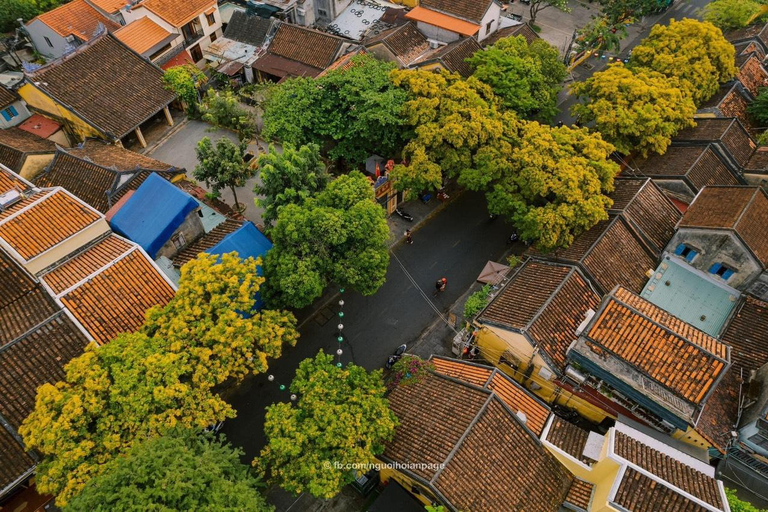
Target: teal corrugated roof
691, 295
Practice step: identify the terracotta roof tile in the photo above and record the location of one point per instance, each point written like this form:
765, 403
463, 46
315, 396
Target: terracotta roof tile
205, 242
116, 299
110, 6
437, 412
178, 12
405, 42
10, 180
669, 469
453, 56
757, 162
757, 32
699, 165
569, 438
470, 10
742, 209
40, 126
37, 358
510, 392
142, 34
730, 101
673, 353
306, 46
640, 493
728, 131
76, 18
86, 263
28, 197
107, 84
15, 143
752, 75
547, 300
7, 97
24, 313
747, 333
443, 21
51, 221
523, 29
100, 177
647, 209
721, 412
14, 461
580, 494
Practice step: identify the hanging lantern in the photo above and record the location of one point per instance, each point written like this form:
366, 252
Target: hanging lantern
271, 378
293, 398
338, 365
341, 314
340, 326
339, 352
341, 303
340, 339
282, 387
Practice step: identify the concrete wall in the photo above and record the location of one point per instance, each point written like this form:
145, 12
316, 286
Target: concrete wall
719, 247
21, 110
34, 164
492, 16
437, 33
38, 31
382, 53
77, 128
191, 229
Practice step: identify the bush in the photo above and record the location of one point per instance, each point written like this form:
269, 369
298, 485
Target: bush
738, 505
476, 302
222, 109
409, 370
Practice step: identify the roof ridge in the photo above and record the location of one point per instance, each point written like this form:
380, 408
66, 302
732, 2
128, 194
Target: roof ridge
37, 326
551, 297
744, 210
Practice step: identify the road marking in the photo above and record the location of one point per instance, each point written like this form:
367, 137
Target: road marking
457, 243
433, 264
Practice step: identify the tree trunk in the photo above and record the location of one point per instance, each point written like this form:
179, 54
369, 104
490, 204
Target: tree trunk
234, 194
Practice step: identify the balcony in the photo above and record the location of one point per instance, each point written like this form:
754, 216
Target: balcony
192, 33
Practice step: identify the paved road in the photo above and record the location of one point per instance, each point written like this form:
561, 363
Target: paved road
679, 10
456, 244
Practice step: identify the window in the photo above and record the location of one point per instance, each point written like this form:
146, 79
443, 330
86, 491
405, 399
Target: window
686, 252
213, 36
721, 270
10, 113
179, 241
196, 53
488, 27
211, 19
322, 13
760, 441
48, 41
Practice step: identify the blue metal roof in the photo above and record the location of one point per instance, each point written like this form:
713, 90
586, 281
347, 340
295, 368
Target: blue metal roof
247, 242
691, 295
153, 213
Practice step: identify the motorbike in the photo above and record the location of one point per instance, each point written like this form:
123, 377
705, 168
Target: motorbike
405, 215
514, 237
396, 356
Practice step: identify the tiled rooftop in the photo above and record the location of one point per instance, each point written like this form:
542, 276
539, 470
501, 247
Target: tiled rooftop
671, 352
306, 46
207, 241
699, 165
43, 225
405, 42
77, 18
569, 438
178, 13
453, 56
691, 296
15, 143
728, 131
580, 494
469, 10
142, 34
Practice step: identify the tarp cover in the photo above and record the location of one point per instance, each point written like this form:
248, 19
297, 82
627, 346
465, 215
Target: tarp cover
153, 213
247, 241
493, 273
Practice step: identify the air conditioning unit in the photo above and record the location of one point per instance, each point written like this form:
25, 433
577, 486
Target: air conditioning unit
434, 43
9, 199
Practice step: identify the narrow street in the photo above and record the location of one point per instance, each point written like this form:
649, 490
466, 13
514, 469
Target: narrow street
455, 243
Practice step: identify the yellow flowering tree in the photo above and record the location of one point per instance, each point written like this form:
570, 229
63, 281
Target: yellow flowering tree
635, 110
341, 419
692, 51
140, 385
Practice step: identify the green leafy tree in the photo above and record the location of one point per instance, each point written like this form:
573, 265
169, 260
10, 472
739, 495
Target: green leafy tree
738, 505
732, 14
476, 302
290, 177
553, 186
638, 110
340, 236
455, 121
539, 5
600, 34
758, 109
351, 113
223, 109
140, 385
185, 82
694, 52
11, 10
223, 165
527, 78
182, 470
626, 11
341, 418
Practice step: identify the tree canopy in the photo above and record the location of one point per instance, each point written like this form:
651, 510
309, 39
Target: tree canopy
732, 14
625, 11
539, 5
140, 385
694, 52
340, 418
527, 78
553, 186
223, 165
290, 177
185, 82
759, 108
11, 10
340, 236
351, 112
223, 109
454, 121
182, 470
635, 110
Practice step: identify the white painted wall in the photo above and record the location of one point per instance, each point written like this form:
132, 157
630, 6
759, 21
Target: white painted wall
38, 31
492, 16
21, 110
437, 33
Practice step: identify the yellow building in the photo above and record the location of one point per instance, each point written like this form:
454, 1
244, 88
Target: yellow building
25, 153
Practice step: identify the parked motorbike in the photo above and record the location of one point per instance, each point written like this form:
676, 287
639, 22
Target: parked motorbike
514, 237
396, 356
405, 215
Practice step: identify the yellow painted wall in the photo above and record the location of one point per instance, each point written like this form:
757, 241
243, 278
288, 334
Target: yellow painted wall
424, 495
407, 3
691, 437
494, 341
68, 246
33, 164
37, 99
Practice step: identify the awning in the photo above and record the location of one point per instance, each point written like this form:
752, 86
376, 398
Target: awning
230, 68
493, 273
443, 21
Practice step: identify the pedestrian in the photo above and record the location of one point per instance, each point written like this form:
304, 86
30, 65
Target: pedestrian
440, 286
408, 237
559, 124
